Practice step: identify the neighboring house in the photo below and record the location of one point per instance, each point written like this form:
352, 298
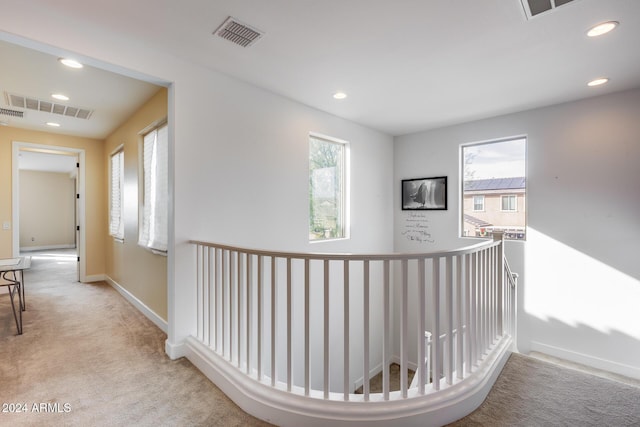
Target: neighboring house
495, 204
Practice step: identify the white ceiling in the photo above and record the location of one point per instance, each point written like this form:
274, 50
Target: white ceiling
29, 73
406, 65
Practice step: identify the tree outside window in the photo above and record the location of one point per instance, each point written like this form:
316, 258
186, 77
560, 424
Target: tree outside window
326, 189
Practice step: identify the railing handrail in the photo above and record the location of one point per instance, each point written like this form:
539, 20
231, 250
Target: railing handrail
511, 276
338, 256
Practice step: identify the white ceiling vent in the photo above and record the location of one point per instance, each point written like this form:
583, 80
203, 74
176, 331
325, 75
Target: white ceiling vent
20, 101
238, 33
11, 113
533, 8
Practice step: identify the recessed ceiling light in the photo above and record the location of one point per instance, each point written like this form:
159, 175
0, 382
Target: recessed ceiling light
602, 28
598, 82
339, 95
60, 97
53, 124
70, 62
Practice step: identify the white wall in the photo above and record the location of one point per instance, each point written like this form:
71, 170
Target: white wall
579, 287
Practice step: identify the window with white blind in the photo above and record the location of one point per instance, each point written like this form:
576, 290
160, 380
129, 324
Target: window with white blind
153, 227
116, 185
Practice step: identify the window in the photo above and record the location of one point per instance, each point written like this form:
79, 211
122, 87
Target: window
327, 188
116, 186
509, 203
153, 230
494, 188
478, 203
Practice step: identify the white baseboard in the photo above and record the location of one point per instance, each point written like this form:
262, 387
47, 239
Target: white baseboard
372, 373
175, 351
46, 248
150, 314
594, 362
277, 406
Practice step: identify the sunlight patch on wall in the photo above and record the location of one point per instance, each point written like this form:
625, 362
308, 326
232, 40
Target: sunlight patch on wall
570, 286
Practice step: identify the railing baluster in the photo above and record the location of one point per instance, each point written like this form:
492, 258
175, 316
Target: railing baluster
481, 303
486, 301
501, 287
460, 317
289, 347
239, 297
449, 316
249, 320
404, 333
273, 321
435, 334
225, 283
199, 279
469, 332
346, 361
211, 303
366, 349
307, 372
326, 329
474, 310
232, 307
259, 330
385, 329
206, 285
422, 366
216, 290
494, 296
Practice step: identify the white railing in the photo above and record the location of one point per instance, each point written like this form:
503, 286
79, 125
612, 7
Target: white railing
319, 325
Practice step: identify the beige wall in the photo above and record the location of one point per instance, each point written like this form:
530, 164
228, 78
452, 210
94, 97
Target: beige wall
138, 270
493, 212
47, 209
95, 189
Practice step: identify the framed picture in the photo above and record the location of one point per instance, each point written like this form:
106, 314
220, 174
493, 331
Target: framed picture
424, 193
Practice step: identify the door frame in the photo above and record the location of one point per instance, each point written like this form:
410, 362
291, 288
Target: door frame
15, 196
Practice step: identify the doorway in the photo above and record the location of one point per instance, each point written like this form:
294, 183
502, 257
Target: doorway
63, 161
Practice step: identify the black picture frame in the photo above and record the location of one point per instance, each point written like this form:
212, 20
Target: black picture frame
424, 194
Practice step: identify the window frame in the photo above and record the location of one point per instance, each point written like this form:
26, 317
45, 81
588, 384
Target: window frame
119, 154
344, 214
482, 209
465, 176
515, 202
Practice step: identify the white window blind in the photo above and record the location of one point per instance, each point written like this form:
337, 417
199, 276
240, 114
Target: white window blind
154, 222
116, 223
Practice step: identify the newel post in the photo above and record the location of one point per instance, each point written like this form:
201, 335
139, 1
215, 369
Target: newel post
498, 236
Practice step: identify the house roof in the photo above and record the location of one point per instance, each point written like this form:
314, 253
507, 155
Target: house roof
495, 184
477, 222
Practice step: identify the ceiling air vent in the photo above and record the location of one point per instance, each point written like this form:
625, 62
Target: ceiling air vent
11, 113
20, 101
238, 33
533, 8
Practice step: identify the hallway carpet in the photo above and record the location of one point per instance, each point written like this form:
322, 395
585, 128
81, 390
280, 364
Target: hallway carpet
89, 358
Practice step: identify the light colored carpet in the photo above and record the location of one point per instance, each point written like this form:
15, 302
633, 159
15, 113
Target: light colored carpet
531, 392
85, 350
